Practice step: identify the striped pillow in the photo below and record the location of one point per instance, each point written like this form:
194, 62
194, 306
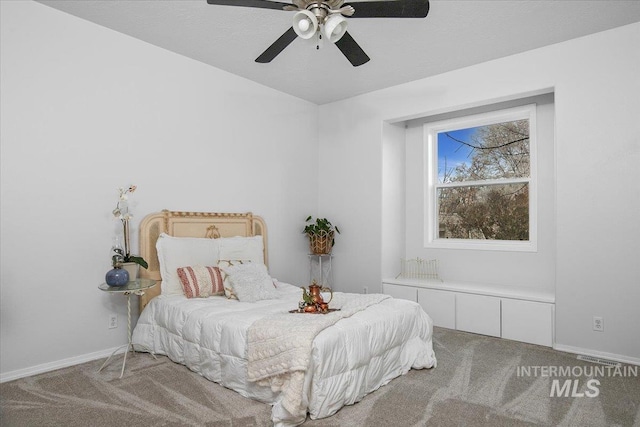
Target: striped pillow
201, 282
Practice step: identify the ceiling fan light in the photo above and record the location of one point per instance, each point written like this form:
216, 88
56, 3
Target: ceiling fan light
334, 27
305, 24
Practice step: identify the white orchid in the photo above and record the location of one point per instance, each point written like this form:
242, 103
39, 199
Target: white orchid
122, 213
122, 207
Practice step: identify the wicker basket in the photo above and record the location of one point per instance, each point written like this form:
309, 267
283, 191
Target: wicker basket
321, 243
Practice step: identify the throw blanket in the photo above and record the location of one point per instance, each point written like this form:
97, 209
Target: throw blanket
279, 346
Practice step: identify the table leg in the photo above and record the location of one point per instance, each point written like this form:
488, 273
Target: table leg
129, 346
112, 354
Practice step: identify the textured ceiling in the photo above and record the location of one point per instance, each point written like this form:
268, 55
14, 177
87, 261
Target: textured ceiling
455, 34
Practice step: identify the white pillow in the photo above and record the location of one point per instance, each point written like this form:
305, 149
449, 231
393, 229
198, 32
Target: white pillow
251, 282
242, 248
226, 282
176, 252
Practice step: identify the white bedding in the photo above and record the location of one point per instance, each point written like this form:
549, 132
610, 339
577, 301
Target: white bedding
349, 359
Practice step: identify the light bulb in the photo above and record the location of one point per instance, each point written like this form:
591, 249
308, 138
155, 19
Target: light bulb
304, 24
335, 27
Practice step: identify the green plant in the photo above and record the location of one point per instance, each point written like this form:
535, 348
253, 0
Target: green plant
320, 227
119, 258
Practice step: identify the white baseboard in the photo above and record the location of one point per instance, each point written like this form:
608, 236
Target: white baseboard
52, 366
600, 354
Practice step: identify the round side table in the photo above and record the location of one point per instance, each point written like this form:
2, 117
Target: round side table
134, 287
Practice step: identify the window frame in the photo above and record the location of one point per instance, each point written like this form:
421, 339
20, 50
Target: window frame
431, 223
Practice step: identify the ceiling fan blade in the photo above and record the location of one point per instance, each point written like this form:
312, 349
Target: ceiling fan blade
352, 50
277, 46
300, 4
391, 9
262, 4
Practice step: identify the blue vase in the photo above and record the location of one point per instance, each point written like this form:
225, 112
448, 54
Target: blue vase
117, 277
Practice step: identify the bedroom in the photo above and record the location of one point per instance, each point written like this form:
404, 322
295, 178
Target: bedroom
91, 109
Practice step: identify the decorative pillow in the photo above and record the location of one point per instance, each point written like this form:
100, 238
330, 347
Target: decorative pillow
223, 264
244, 248
201, 282
251, 282
176, 252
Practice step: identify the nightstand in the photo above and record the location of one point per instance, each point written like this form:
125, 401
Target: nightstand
134, 287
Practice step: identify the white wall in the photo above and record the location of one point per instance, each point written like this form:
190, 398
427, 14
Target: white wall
394, 198
86, 110
597, 105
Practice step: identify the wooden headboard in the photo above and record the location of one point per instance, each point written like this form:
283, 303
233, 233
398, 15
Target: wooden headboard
191, 224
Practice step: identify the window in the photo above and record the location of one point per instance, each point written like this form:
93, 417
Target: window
480, 173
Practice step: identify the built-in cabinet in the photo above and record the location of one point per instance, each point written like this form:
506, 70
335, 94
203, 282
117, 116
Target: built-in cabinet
513, 313
478, 313
439, 304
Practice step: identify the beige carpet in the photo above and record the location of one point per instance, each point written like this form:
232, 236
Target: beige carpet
479, 381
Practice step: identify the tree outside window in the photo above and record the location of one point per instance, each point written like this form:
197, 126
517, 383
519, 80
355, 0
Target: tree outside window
480, 178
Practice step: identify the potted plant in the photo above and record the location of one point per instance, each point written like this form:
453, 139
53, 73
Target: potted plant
122, 257
321, 235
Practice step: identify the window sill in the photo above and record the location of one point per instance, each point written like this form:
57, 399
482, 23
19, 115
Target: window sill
484, 245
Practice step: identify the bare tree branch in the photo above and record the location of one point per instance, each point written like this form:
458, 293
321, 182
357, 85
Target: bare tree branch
480, 147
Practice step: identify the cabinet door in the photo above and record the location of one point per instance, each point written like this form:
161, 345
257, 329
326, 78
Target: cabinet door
400, 292
527, 321
440, 306
479, 314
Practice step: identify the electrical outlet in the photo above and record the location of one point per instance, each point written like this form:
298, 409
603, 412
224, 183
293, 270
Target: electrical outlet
598, 324
113, 321
366, 289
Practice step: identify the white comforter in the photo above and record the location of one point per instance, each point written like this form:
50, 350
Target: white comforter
349, 359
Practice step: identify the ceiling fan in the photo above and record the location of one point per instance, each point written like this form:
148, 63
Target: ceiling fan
326, 18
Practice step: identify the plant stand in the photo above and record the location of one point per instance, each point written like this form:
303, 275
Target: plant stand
320, 269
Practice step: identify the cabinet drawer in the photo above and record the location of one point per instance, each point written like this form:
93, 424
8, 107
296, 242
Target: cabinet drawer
400, 292
440, 306
527, 321
478, 314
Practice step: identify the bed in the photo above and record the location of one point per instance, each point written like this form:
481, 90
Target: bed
219, 312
